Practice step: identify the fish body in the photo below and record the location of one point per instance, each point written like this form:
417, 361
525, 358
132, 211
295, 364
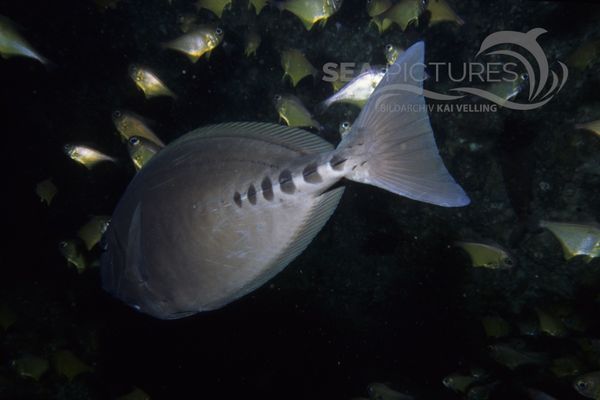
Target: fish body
457, 382
216, 6
295, 66
576, 239
92, 231
198, 42
46, 190
141, 150
381, 391
135, 394
31, 366
566, 366
358, 90
585, 55
550, 324
86, 155
293, 113
222, 209
7, 317
67, 364
252, 43
495, 327
129, 124
74, 254
514, 358
149, 83
377, 7
487, 255
311, 11
13, 44
588, 385
257, 4
440, 11
508, 89
535, 394
404, 13
592, 126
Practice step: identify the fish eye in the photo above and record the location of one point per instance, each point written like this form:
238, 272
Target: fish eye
219, 31
507, 261
384, 70
62, 244
525, 76
346, 125
389, 47
581, 385
134, 141
117, 114
133, 69
277, 97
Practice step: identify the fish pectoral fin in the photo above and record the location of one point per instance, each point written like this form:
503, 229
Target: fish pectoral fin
193, 58
307, 24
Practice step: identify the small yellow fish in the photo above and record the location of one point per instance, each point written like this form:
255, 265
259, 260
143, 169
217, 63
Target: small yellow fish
495, 327
46, 190
404, 13
7, 317
252, 43
488, 256
141, 150
508, 89
92, 231
69, 365
216, 6
135, 394
585, 55
392, 53
198, 42
293, 113
257, 4
149, 83
311, 11
344, 128
513, 358
566, 366
592, 126
457, 382
13, 44
295, 66
381, 391
440, 11
576, 239
86, 155
377, 7
358, 90
550, 324
74, 254
31, 366
187, 22
129, 124
588, 385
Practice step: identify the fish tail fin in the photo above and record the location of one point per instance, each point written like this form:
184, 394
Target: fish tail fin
391, 143
323, 106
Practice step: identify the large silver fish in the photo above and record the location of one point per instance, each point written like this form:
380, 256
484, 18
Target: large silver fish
221, 210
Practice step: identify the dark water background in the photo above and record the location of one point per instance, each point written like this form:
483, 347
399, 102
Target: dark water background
380, 295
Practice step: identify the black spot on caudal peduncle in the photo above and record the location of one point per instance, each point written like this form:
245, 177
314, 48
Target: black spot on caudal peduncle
237, 199
311, 174
252, 194
286, 183
267, 188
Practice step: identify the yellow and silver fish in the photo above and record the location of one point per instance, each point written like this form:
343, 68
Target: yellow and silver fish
588, 385
7, 317
296, 66
220, 211
46, 190
198, 42
392, 52
251, 43
67, 364
257, 4
129, 124
550, 324
377, 7
487, 255
31, 366
513, 357
508, 89
495, 327
149, 83
311, 11
141, 150
91, 232
216, 6
135, 394
87, 156
293, 113
404, 13
74, 253
576, 239
381, 391
358, 90
458, 382
440, 11
592, 126
13, 44
585, 55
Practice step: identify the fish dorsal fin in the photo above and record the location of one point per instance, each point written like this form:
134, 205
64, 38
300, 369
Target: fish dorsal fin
320, 212
296, 139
